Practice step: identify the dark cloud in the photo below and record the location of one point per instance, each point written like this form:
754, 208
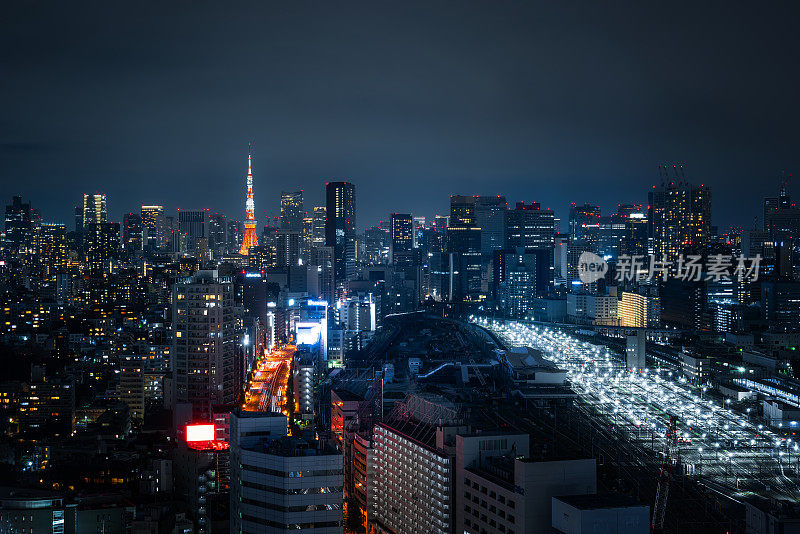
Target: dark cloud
552, 101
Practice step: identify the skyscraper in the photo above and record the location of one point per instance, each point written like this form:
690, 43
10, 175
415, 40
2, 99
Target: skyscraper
340, 229
94, 209
154, 227
250, 238
52, 248
462, 211
318, 231
203, 355
20, 229
490, 213
402, 233
584, 222
101, 245
132, 232
680, 216
292, 211
192, 225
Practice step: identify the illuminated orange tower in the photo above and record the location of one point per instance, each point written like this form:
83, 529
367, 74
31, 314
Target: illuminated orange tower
250, 237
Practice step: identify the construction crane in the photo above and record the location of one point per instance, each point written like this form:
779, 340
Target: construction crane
662, 490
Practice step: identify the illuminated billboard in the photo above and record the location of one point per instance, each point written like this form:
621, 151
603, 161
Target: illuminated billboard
308, 333
202, 432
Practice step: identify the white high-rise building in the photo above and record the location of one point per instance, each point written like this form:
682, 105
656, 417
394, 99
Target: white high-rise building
281, 483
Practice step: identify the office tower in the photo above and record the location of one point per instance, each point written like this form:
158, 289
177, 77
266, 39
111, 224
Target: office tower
203, 352
235, 235
218, 235
101, 244
132, 231
612, 231
307, 238
419, 231
528, 226
20, 229
780, 304
287, 248
462, 211
292, 211
171, 234
402, 233
464, 243
318, 237
642, 309
281, 483
517, 291
490, 217
154, 228
320, 273
193, 231
52, 248
340, 230
680, 217
94, 209
781, 217
250, 238
531, 228
583, 223
636, 223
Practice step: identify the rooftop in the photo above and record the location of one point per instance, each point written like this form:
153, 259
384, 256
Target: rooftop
595, 502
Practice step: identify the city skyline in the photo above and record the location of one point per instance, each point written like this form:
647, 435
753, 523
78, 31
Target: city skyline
547, 107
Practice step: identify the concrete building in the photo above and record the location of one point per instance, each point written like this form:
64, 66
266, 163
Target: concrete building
203, 354
413, 480
282, 483
514, 495
695, 367
596, 514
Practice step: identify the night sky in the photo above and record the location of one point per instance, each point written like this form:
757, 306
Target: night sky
552, 102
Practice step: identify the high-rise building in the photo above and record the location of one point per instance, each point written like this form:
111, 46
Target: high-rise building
528, 226
250, 238
287, 248
490, 217
680, 217
94, 209
101, 244
781, 217
281, 483
52, 248
402, 233
20, 229
462, 211
132, 231
192, 227
414, 479
203, 352
292, 211
153, 227
583, 223
318, 231
340, 229
218, 235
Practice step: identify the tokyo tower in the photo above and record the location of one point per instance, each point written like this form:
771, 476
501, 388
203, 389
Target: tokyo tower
250, 237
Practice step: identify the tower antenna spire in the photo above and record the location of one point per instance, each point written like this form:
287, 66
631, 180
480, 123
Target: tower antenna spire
250, 238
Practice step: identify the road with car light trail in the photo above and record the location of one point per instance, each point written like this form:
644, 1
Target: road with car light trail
266, 391
723, 449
